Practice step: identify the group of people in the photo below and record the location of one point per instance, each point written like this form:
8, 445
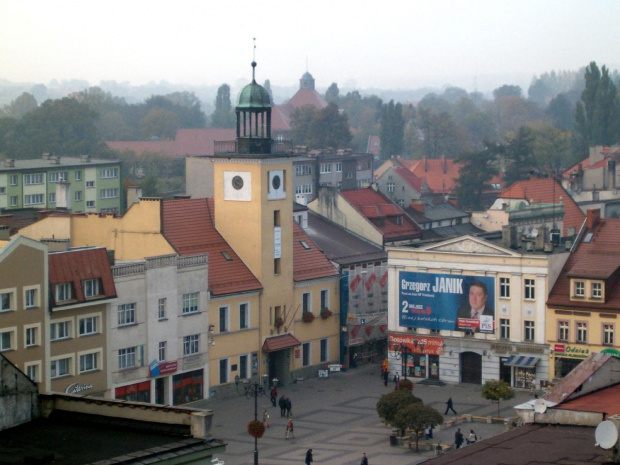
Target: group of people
310, 459
285, 407
459, 438
286, 410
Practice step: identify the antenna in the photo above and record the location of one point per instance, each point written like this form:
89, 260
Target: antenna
254, 60
606, 434
540, 406
254, 51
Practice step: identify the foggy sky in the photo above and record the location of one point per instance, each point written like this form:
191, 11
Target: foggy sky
356, 43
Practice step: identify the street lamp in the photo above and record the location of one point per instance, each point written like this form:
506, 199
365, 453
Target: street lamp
253, 389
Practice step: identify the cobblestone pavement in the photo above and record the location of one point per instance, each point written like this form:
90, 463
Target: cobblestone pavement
337, 418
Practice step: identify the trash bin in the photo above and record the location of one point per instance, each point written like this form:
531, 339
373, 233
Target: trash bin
393, 439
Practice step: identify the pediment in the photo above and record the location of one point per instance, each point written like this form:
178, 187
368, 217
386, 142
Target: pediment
472, 245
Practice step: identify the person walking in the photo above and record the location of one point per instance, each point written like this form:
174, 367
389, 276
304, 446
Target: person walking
282, 404
289, 429
289, 407
265, 418
471, 437
273, 395
458, 439
364, 459
309, 459
450, 406
396, 379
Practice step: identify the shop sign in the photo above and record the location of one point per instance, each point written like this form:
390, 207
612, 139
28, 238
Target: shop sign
417, 344
356, 340
571, 351
334, 367
75, 388
501, 348
168, 367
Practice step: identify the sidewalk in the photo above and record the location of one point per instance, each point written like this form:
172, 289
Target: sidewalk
337, 418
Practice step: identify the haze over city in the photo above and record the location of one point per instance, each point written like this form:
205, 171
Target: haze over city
401, 44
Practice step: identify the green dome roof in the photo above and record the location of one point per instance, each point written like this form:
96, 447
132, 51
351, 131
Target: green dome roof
253, 96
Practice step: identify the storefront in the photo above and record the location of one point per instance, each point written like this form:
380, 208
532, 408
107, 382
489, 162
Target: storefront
138, 392
414, 356
568, 356
187, 387
521, 365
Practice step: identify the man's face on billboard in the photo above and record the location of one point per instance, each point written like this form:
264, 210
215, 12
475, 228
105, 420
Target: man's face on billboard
477, 297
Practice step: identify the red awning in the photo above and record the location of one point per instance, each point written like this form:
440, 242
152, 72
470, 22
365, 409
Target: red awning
285, 341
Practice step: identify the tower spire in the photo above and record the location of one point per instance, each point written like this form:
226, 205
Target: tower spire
254, 60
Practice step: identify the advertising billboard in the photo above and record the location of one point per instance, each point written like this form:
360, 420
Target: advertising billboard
446, 301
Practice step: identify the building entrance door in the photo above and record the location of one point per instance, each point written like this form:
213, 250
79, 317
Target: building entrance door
471, 368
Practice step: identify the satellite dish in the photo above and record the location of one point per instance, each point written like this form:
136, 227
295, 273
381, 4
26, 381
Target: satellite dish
606, 434
540, 406
534, 232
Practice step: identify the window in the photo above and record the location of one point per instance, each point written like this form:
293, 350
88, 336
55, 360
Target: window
223, 371
582, 333
324, 299
63, 292
244, 316
563, 330
223, 315
89, 362
32, 371
277, 268
60, 367
243, 366
161, 309
52, 197
580, 289
59, 176
301, 170
108, 193
77, 196
191, 344
190, 303
87, 326
91, 288
597, 290
306, 354
6, 299
529, 331
78, 175
6, 340
14, 200
390, 187
338, 167
504, 328
127, 358
60, 330
504, 288
326, 168
30, 298
608, 334
306, 305
90, 184
31, 336
2, 190
126, 314
33, 199
324, 350
530, 289
13, 180
161, 351
303, 189
31, 179
90, 204
348, 175
109, 173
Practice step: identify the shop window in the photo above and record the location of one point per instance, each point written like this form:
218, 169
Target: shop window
140, 392
187, 387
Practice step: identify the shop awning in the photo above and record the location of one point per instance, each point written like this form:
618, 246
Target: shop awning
286, 341
523, 361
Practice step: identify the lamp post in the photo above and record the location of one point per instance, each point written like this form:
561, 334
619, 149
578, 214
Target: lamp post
253, 389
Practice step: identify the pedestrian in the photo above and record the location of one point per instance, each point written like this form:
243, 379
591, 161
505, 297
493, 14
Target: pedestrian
450, 406
282, 404
265, 418
274, 395
289, 407
385, 368
428, 431
396, 379
289, 429
309, 457
471, 438
364, 459
458, 438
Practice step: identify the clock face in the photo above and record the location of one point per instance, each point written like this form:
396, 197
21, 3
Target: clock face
237, 182
276, 182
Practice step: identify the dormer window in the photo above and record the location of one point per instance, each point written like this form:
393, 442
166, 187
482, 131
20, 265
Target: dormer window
63, 292
399, 220
91, 288
597, 290
580, 289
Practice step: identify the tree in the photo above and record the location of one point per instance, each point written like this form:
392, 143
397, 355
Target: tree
332, 94
21, 106
392, 131
477, 170
552, 148
416, 417
390, 404
300, 124
223, 116
507, 91
561, 111
539, 92
329, 128
159, 123
150, 187
496, 391
441, 136
519, 156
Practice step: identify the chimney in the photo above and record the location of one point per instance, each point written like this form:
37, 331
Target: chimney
417, 205
592, 217
444, 164
85, 158
425, 164
509, 236
9, 163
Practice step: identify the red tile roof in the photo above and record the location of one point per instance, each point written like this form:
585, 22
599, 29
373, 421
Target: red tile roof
281, 114
382, 212
598, 259
165, 147
547, 190
606, 401
309, 263
410, 178
76, 266
286, 341
440, 173
189, 227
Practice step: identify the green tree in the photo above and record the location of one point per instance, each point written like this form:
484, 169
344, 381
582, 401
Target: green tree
300, 124
159, 123
416, 417
21, 106
441, 135
329, 128
7, 126
477, 170
496, 391
507, 91
150, 187
392, 131
561, 111
332, 94
519, 156
390, 404
223, 116
552, 148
